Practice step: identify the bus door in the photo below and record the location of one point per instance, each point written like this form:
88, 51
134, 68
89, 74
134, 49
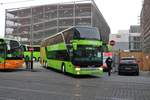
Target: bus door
2, 55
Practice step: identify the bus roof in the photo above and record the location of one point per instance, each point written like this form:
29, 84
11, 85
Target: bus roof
66, 30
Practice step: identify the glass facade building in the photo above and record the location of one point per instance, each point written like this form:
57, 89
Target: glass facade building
38, 22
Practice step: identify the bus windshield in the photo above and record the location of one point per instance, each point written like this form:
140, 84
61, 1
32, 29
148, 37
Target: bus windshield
87, 55
2, 51
37, 49
14, 50
27, 48
86, 33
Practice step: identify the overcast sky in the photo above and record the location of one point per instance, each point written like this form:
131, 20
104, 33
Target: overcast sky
119, 14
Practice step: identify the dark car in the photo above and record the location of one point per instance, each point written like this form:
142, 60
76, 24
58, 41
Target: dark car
128, 65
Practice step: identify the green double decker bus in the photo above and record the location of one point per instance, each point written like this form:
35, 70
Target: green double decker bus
76, 50
36, 51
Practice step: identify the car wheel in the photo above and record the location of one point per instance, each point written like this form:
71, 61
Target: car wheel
119, 73
137, 73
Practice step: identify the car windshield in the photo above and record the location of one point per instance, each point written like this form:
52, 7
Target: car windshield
127, 60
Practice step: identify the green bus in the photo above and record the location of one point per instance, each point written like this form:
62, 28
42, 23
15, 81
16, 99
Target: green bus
11, 54
76, 50
36, 51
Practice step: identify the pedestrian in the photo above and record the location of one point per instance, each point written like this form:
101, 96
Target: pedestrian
109, 65
27, 62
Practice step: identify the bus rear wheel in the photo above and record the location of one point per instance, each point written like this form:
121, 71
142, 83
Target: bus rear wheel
63, 69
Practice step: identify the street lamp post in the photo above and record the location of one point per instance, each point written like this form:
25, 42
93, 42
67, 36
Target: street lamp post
31, 39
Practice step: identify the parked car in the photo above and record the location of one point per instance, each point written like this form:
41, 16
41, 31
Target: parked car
128, 65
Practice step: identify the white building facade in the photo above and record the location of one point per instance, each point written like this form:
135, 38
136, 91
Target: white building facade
121, 40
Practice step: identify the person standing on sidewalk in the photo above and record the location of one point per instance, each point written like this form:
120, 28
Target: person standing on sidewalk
109, 65
27, 62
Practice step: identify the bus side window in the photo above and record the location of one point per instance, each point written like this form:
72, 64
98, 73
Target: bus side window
58, 39
76, 34
68, 35
62, 55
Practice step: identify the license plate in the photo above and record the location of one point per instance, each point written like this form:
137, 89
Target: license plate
88, 69
128, 68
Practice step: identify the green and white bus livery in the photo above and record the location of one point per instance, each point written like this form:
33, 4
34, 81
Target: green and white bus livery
76, 50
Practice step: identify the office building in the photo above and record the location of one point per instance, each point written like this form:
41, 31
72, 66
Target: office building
145, 26
135, 43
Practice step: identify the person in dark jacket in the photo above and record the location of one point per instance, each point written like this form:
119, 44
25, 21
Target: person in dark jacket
27, 61
109, 65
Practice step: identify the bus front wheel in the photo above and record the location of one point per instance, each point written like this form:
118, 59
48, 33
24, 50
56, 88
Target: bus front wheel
63, 69
34, 59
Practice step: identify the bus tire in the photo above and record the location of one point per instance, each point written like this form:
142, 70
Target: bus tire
34, 59
63, 69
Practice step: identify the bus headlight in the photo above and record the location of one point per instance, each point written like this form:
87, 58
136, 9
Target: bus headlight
77, 69
100, 68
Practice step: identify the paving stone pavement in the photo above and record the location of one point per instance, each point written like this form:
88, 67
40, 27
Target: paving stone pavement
47, 84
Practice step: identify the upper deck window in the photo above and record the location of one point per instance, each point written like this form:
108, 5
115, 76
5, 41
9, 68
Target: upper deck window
86, 33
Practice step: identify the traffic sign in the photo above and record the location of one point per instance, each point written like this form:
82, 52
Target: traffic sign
112, 42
